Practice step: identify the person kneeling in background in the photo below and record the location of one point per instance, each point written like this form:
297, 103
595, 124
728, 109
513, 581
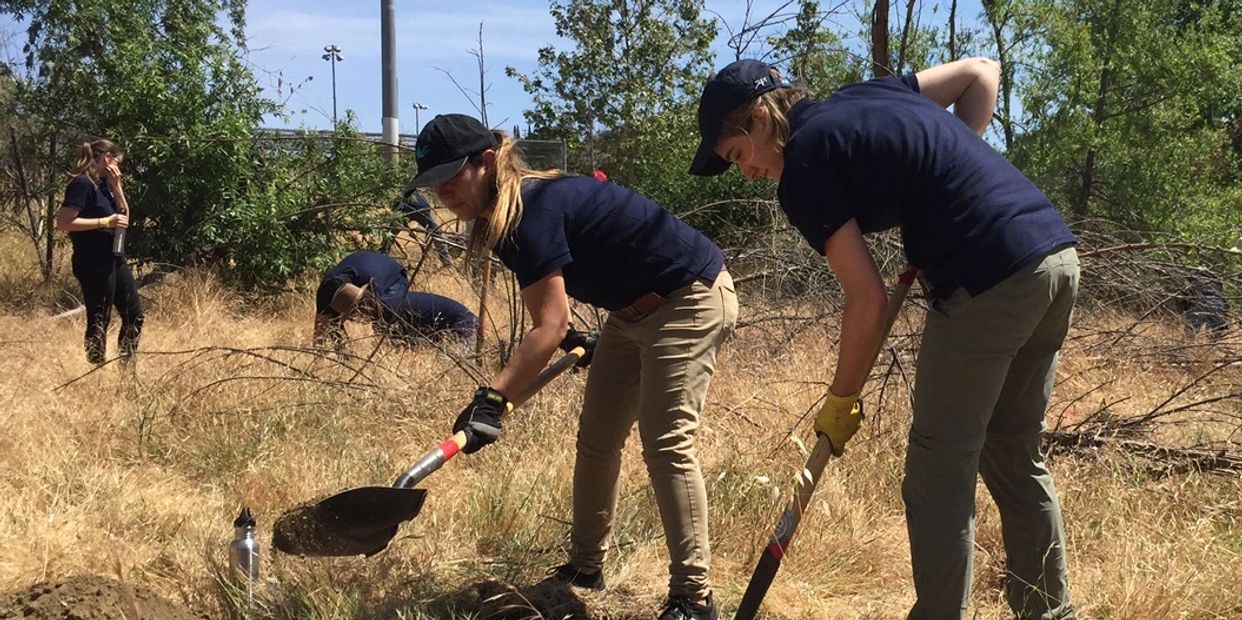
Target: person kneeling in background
373, 286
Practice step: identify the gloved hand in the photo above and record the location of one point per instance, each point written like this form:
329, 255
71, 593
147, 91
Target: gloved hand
586, 340
839, 419
481, 419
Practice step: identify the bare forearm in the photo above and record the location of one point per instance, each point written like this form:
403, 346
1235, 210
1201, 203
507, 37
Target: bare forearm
122, 203
862, 327
969, 85
528, 360
976, 104
79, 224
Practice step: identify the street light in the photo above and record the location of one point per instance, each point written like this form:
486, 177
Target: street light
332, 54
418, 106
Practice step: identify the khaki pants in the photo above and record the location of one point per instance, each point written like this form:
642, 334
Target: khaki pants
985, 373
654, 371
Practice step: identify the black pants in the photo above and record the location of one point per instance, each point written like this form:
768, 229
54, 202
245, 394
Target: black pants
106, 284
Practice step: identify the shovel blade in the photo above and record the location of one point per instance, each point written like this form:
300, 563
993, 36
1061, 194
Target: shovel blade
359, 521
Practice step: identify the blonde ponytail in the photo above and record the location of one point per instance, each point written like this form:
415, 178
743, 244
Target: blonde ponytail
511, 172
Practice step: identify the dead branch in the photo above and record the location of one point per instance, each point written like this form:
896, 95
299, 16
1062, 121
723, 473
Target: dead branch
1224, 461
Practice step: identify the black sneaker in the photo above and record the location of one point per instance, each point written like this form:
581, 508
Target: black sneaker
578, 578
682, 609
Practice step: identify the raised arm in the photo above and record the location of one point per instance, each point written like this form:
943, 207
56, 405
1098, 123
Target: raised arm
970, 85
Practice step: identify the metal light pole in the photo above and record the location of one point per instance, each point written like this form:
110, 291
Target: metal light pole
332, 54
417, 125
388, 68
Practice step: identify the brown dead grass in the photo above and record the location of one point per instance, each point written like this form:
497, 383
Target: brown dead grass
148, 474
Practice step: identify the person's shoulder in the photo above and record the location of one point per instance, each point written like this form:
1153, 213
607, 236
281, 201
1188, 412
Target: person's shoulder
555, 194
81, 181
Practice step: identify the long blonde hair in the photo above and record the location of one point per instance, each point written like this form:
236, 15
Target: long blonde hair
88, 152
511, 172
776, 103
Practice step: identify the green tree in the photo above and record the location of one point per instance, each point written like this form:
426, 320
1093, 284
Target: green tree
625, 93
624, 99
167, 80
815, 55
1132, 110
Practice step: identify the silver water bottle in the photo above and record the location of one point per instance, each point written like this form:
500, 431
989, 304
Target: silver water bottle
118, 242
244, 552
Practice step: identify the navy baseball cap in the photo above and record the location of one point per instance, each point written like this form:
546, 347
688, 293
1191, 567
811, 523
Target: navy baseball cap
444, 145
735, 85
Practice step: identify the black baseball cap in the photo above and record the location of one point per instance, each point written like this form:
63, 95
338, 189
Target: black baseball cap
735, 85
444, 145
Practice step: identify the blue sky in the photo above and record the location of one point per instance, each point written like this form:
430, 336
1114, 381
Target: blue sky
287, 37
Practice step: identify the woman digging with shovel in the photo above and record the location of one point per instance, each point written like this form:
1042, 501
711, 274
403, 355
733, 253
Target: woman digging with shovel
671, 305
1003, 276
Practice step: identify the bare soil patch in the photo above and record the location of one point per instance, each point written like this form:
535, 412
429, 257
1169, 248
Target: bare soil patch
90, 597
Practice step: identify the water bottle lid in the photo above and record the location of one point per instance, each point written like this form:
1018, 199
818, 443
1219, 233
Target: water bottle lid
245, 519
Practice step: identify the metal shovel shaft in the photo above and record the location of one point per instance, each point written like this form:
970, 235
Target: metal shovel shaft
436, 457
362, 521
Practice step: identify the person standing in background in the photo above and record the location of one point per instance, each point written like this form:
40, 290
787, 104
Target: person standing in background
93, 212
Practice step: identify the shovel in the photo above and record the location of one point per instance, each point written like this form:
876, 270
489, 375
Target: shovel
363, 521
770, 559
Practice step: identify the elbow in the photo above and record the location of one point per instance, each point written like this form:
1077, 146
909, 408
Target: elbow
869, 300
986, 69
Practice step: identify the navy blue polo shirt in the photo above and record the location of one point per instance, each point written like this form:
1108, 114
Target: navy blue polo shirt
611, 244
884, 155
359, 268
91, 202
428, 315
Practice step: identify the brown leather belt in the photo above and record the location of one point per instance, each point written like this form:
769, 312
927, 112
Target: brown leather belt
642, 307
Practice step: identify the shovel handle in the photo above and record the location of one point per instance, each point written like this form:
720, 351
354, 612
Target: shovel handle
436, 457
771, 556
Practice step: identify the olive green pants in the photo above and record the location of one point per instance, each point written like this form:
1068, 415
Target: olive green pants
985, 373
654, 371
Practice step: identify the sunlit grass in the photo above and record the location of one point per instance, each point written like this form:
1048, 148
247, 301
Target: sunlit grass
148, 474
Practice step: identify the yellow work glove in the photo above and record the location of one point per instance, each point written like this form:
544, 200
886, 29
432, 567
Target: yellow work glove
839, 419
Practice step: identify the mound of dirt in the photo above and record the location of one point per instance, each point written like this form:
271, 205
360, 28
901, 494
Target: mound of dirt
90, 597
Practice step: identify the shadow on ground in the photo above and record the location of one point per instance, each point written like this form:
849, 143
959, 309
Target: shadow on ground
494, 600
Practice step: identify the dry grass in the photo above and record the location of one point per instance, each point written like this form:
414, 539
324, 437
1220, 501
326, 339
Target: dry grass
147, 475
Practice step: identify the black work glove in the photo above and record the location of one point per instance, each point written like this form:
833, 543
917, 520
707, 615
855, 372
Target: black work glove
481, 419
586, 340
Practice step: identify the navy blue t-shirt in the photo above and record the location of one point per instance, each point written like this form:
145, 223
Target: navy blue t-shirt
91, 202
611, 244
884, 155
379, 270
428, 315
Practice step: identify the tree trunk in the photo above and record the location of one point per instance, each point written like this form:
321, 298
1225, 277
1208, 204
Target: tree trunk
50, 226
879, 40
998, 20
905, 37
35, 232
1098, 115
953, 31
482, 85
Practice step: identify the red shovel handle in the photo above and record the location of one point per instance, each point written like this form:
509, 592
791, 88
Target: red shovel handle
434, 458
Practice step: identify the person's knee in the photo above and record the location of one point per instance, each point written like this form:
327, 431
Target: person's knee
672, 446
597, 447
